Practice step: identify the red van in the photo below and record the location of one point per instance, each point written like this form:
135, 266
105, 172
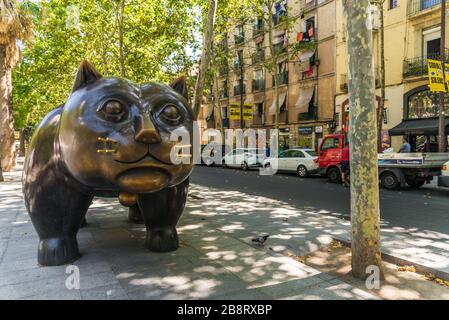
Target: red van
329, 156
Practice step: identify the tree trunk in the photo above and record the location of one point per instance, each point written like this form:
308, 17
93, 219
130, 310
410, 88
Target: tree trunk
380, 111
269, 21
363, 141
205, 56
7, 146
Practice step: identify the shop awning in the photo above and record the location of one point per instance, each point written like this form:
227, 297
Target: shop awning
305, 96
282, 97
209, 110
418, 127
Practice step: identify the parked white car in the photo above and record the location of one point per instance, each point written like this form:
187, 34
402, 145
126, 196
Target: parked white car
244, 158
443, 180
301, 161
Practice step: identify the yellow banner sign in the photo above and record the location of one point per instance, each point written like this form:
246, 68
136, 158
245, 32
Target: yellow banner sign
436, 80
234, 112
248, 112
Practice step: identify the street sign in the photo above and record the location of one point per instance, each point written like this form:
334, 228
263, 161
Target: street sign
248, 112
234, 112
436, 80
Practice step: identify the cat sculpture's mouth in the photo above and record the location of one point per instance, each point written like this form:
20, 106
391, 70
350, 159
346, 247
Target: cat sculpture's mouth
143, 180
148, 156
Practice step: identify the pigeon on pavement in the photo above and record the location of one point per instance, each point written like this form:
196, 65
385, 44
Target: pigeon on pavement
260, 240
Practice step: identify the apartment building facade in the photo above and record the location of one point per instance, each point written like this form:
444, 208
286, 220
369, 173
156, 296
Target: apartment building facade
313, 84
304, 65
412, 36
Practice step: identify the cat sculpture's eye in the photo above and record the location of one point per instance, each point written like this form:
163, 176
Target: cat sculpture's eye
170, 114
114, 111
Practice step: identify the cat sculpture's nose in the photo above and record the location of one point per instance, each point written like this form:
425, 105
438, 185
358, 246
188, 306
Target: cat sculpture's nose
146, 132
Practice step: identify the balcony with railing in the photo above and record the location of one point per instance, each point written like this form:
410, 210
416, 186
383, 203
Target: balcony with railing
258, 85
258, 28
238, 90
223, 70
279, 48
311, 114
258, 120
308, 5
258, 56
223, 93
416, 67
283, 116
239, 38
279, 18
417, 6
282, 78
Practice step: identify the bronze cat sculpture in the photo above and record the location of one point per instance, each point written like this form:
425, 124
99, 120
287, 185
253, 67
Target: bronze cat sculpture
112, 138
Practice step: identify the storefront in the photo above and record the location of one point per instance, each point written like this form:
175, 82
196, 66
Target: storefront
420, 124
310, 136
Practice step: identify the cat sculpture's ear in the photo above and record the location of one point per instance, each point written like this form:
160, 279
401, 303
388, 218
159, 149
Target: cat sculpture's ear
180, 86
86, 74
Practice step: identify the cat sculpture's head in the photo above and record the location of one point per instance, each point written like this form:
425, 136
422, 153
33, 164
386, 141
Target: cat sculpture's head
114, 135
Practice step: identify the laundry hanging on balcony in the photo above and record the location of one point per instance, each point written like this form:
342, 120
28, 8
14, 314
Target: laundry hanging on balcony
280, 6
304, 99
282, 97
307, 60
279, 37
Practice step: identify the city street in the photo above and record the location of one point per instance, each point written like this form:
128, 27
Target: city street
430, 204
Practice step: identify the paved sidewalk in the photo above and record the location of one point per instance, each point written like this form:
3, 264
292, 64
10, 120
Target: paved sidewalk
215, 261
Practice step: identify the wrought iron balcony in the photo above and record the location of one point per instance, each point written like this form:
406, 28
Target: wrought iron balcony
312, 114
258, 85
417, 6
416, 67
223, 93
238, 90
279, 48
258, 120
282, 78
258, 56
239, 38
258, 29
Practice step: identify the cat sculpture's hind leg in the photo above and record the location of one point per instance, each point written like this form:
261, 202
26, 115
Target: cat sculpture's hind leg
161, 211
57, 214
134, 215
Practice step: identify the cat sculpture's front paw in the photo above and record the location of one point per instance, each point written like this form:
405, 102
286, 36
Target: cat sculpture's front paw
162, 239
57, 251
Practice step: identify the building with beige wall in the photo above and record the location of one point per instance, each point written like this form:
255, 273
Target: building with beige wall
306, 76
412, 35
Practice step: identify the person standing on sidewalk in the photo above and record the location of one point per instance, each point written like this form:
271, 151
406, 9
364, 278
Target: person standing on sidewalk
345, 166
406, 147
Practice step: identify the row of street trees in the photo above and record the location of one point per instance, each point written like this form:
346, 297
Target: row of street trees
143, 41
363, 135
135, 39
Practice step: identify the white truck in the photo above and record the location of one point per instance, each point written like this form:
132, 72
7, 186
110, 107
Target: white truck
413, 169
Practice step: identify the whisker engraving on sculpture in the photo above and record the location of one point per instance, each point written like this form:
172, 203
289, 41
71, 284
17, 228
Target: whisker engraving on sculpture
108, 142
